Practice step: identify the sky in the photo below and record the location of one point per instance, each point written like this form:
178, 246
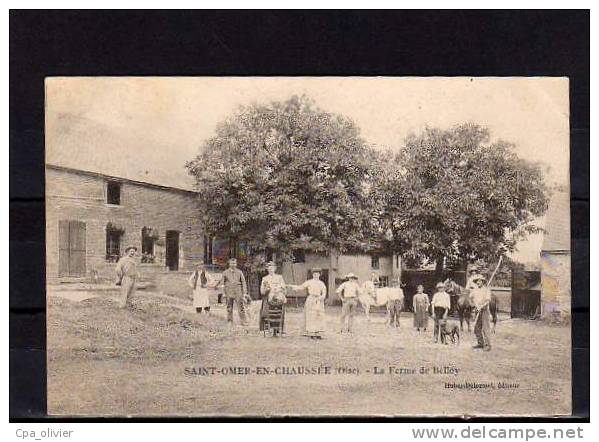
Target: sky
146, 128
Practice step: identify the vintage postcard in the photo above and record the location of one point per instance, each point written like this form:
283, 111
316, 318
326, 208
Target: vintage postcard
308, 246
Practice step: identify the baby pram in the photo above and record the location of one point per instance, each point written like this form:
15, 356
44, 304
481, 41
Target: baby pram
273, 316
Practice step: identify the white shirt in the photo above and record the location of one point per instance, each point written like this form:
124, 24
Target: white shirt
349, 289
315, 287
480, 296
441, 299
273, 286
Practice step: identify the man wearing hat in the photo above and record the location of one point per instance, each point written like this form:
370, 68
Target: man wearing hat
235, 291
348, 292
471, 284
481, 297
126, 274
440, 304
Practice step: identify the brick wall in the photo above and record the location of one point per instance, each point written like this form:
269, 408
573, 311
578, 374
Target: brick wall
82, 197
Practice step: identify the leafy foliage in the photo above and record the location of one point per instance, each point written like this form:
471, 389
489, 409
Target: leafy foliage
287, 176
454, 194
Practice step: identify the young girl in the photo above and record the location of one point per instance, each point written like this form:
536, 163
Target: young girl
420, 304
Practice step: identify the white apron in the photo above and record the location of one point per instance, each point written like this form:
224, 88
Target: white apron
201, 295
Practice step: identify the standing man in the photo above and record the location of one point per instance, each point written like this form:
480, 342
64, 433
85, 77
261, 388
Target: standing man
348, 292
126, 275
481, 298
235, 291
440, 304
471, 284
395, 298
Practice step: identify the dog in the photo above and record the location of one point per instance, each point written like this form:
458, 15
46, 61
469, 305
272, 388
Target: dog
449, 330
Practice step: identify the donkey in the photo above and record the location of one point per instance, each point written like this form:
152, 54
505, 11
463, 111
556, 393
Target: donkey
464, 305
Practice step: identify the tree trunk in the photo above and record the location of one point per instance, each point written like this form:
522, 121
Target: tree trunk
463, 268
439, 268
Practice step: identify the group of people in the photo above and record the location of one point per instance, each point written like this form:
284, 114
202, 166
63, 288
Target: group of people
273, 291
440, 305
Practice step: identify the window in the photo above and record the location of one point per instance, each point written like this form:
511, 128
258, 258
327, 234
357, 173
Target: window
113, 245
114, 232
148, 237
383, 281
299, 256
113, 193
374, 262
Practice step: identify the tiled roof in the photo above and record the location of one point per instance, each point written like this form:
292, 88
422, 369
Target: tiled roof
557, 224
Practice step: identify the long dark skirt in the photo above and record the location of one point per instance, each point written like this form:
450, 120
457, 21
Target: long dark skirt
421, 316
264, 313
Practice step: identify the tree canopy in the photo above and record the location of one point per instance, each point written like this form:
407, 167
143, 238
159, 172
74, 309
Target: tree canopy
454, 194
286, 176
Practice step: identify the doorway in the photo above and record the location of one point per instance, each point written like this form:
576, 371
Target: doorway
172, 249
71, 248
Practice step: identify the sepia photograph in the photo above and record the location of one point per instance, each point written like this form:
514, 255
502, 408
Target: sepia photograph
308, 246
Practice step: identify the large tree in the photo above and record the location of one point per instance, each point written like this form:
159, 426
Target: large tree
285, 176
454, 196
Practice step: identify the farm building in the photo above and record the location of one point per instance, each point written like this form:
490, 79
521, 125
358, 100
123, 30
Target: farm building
555, 260
335, 266
91, 218
526, 293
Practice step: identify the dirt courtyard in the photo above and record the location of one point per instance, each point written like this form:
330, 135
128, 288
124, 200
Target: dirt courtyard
161, 358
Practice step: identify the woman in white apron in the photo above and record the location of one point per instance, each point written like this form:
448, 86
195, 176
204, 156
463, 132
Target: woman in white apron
314, 317
198, 281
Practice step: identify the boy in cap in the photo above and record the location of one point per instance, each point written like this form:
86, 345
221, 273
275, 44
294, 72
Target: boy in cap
481, 298
348, 292
441, 303
235, 289
126, 274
